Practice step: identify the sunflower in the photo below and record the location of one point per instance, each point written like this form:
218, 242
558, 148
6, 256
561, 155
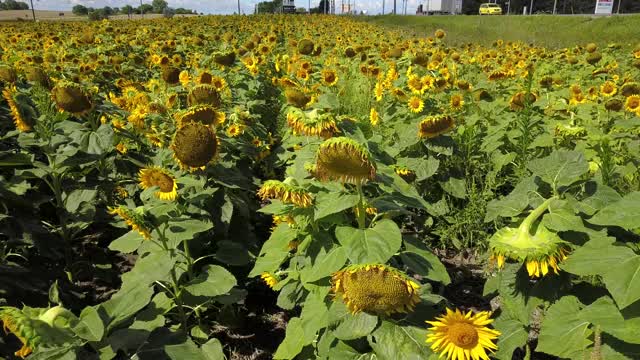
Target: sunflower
416, 85
170, 75
374, 117
456, 101
462, 336
416, 105
297, 97
520, 100
329, 77
12, 321
288, 194
235, 130
344, 160
194, 145
614, 104
71, 97
134, 219
22, 121
632, 104
433, 126
312, 123
376, 289
156, 176
608, 89
269, 279
8, 74
204, 114
184, 78
204, 94
630, 88
378, 91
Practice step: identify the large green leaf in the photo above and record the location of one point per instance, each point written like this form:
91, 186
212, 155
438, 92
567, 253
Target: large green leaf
513, 335
512, 204
564, 333
624, 213
422, 261
127, 243
596, 257
293, 341
90, 327
325, 264
561, 168
356, 326
623, 281
392, 342
214, 280
333, 202
274, 251
374, 245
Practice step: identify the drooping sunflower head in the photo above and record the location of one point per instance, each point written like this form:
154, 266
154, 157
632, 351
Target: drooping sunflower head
204, 94
461, 336
170, 75
23, 114
344, 160
329, 77
8, 74
614, 104
540, 252
593, 58
311, 123
269, 279
161, 178
133, 218
305, 47
15, 322
225, 59
71, 97
433, 126
288, 194
520, 100
375, 289
37, 75
194, 145
630, 88
204, 114
297, 97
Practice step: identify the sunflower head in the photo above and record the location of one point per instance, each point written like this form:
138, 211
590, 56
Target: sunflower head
344, 160
194, 145
312, 123
288, 194
133, 218
23, 114
8, 74
305, 47
608, 89
416, 105
161, 178
225, 58
71, 97
632, 103
297, 97
204, 114
433, 126
630, 88
170, 75
540, 252
37, 75
329, 77
269, 279
461, 336
375, 289
614, 104
204, 94
520, 100
593, 58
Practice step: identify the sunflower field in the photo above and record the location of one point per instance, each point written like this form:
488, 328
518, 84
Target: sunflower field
315, 187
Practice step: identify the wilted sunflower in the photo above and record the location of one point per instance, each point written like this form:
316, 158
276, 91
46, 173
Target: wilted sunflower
33, 327
433, 126
204, 114
614, 104
462, 336
134, 219
519, 100
269, 279
312, 123
630, 88
416, 105
288, 194
204, 94
329, 77
194, 145
297, 97
344, 160
156, 176
21, 118
71, 97
632, 104
375, 289
540, 252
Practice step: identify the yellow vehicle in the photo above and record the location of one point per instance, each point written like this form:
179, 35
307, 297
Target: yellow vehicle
490, 9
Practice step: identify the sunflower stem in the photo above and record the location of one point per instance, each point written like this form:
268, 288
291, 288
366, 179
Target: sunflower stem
525, 227
362, 220
178, 300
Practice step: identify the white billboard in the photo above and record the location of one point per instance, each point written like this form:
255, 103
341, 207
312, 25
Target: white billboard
604, 7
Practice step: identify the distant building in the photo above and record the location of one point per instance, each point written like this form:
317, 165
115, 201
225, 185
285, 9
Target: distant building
439, 7
288, 7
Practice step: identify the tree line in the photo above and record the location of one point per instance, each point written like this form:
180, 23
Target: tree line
13, 5
156, 7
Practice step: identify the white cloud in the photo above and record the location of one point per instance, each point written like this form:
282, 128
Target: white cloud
227, 6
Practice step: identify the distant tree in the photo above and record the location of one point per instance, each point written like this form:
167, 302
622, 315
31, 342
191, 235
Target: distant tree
13, 5
168, 12
145, 9
159, 6
127, 9
80, 10
116, 10
108, 11
98, 14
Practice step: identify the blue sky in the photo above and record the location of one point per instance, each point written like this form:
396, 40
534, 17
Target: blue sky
220, 6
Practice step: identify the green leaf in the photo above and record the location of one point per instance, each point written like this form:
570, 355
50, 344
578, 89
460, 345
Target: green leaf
422, 261
356, 326
232, 253
596, 257
325, 264
512, 204
564, 333
90, 326
561, 168
601, 197
623, 281
513, 336
187, 350
77, 197
392, 342
212, 350
624, 213
127, 243
602, 312
123, 305
374, 245
455, 187
424, 168
274, 251
293, 341
13, 159
333, 202
214, 280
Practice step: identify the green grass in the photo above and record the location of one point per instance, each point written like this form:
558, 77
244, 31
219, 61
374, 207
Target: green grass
546, 30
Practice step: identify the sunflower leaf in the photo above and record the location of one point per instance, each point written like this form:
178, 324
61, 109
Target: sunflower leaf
375, 245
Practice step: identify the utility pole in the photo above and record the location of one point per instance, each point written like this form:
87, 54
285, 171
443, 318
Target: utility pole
531, 8
33, 11
141, 10
394, 7
619, 3
555, 3
238, 7
382, 7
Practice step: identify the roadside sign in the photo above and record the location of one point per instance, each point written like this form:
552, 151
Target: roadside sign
604, 7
